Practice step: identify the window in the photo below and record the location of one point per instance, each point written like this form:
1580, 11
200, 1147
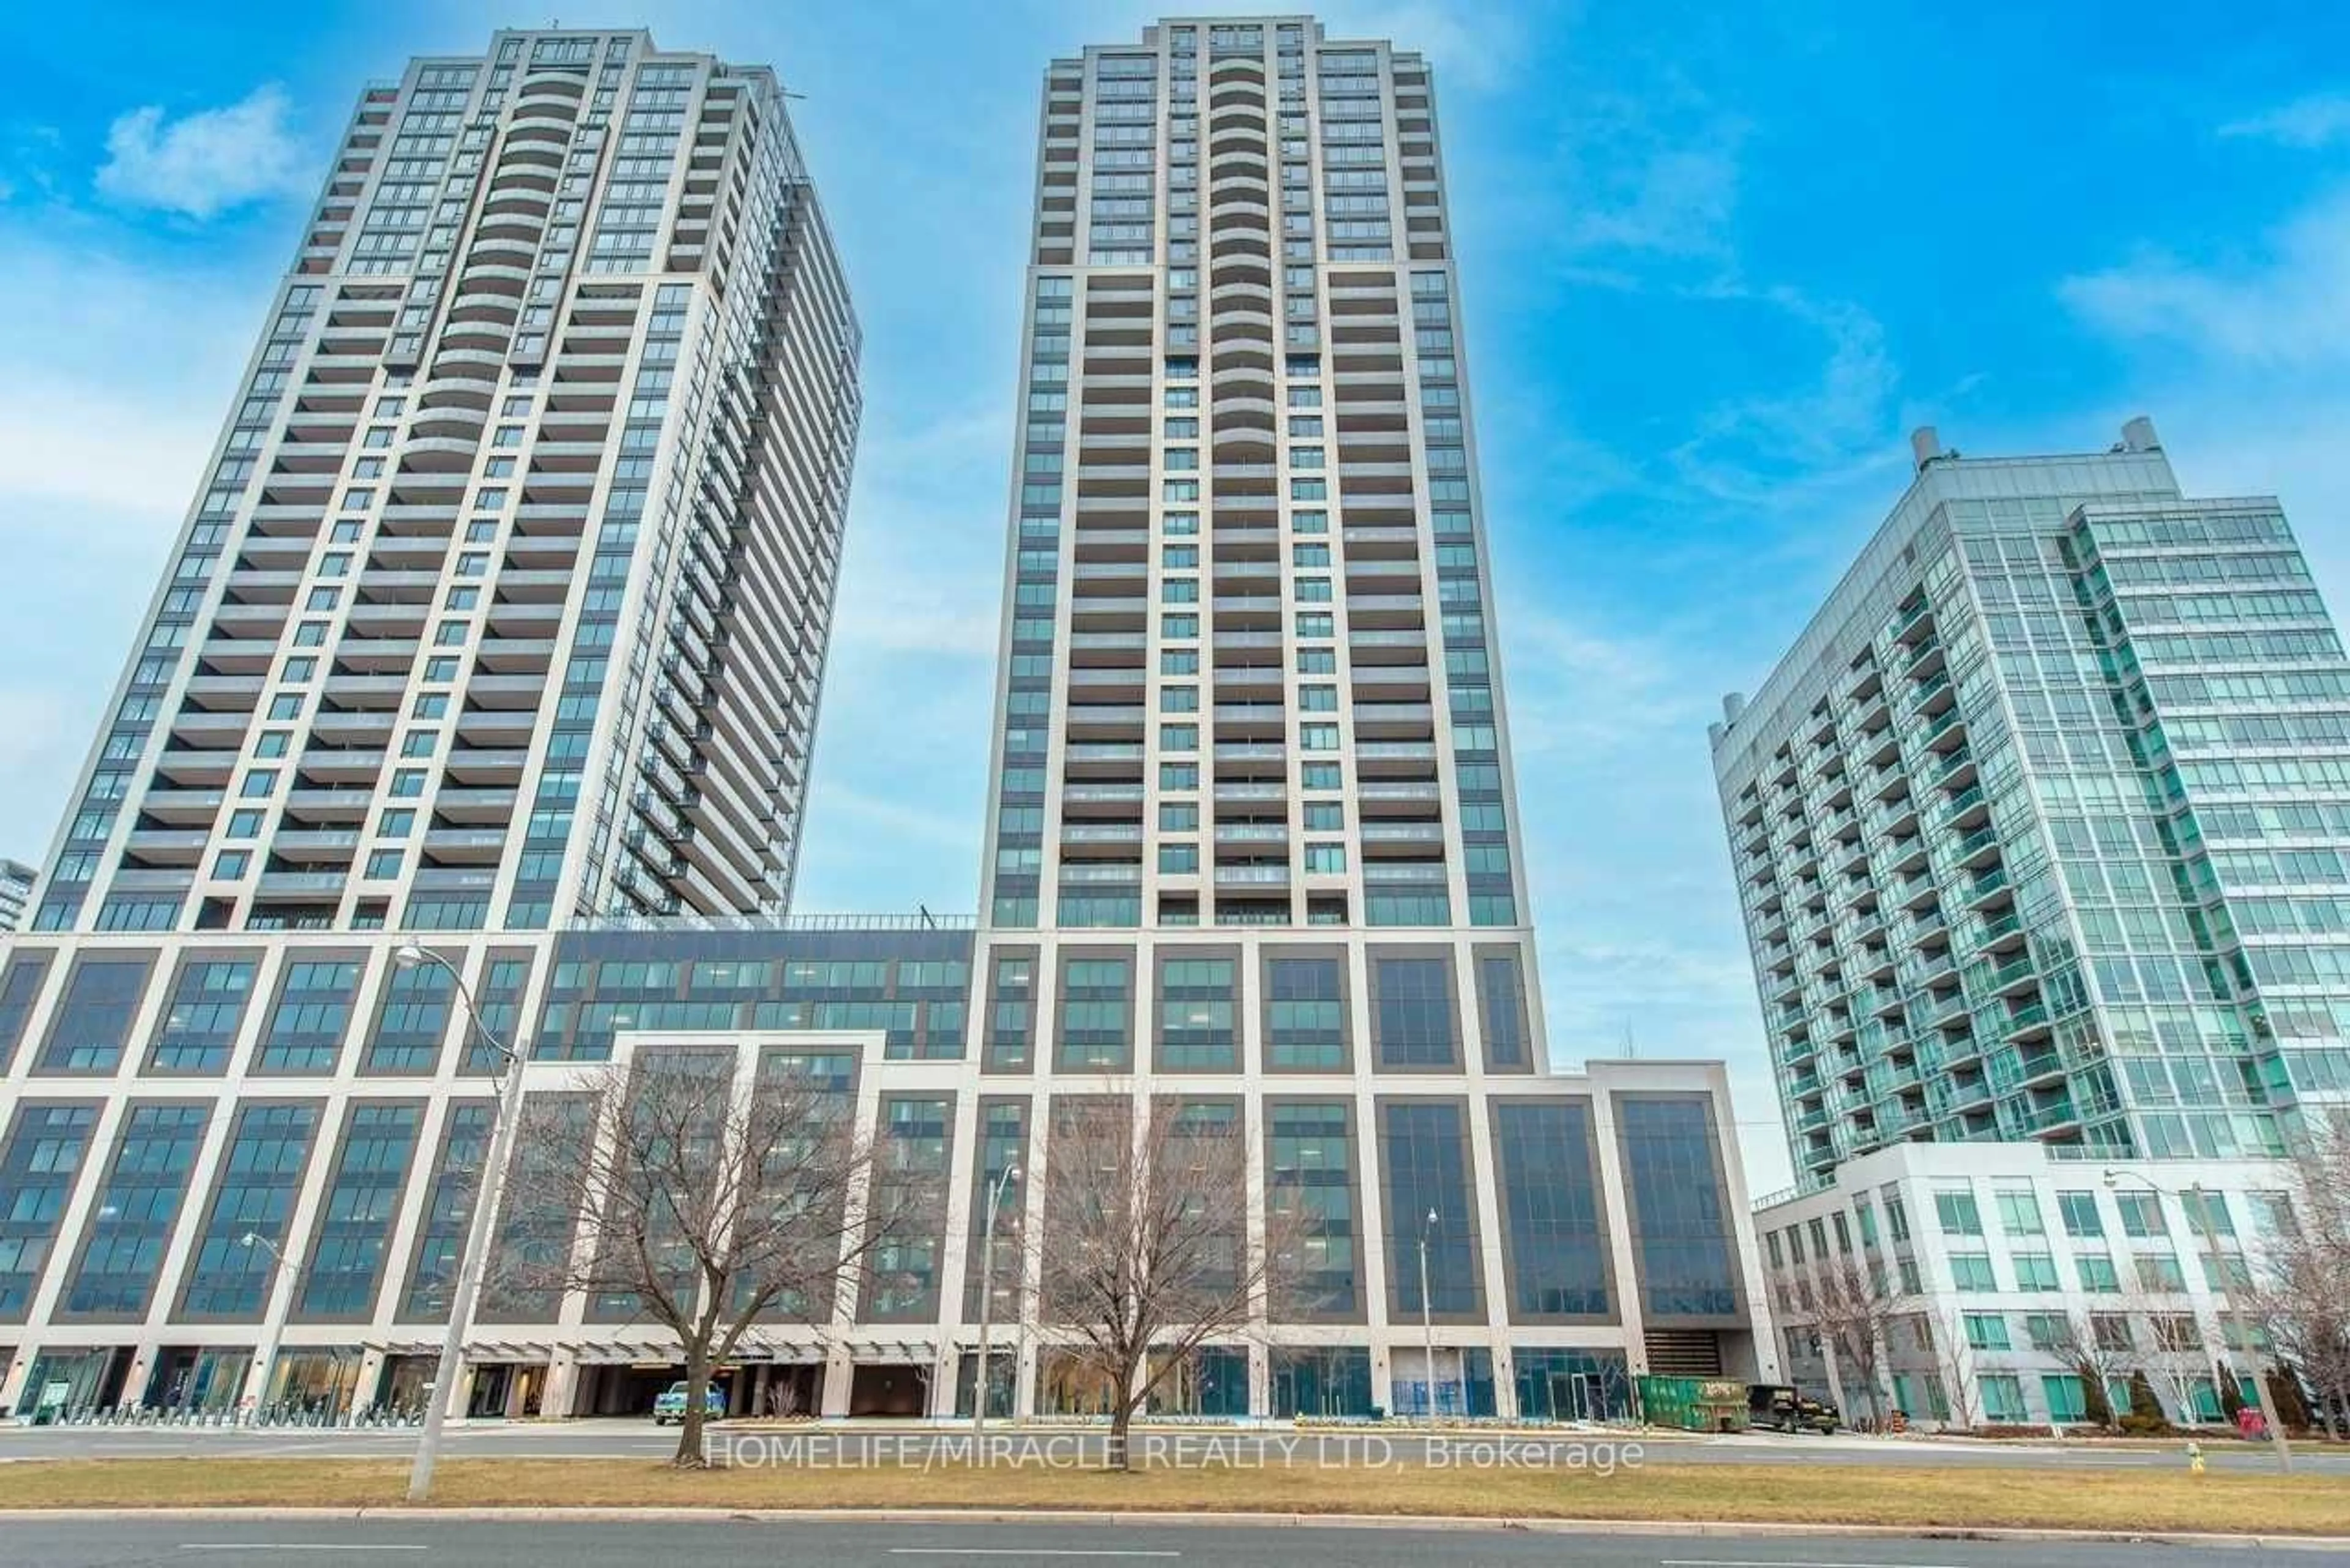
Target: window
262, 1172
2003, 1397
1411, 1011
1501, 1010
2207, 1214
2035, 1272
2159, 1271
1424, 1151
1195, 1000
1987, 1331
1096, 1015
20, 984
135, 1211
346, 1264
1557, 1263
2019, 1213
1973, 1273
2272, 1213
2079, 1211
1010, 1013
305, 1032
2141, 1214
93, 1020
39, 1165
448, 1206
1312, 1168
411, 1021
1958, 1214
1681, 1231
2047, 1331
199, 1026
2098, 1276
1305, 1015
913, 1157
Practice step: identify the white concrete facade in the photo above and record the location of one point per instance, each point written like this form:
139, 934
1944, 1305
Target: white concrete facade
181, 1316
2170, 1239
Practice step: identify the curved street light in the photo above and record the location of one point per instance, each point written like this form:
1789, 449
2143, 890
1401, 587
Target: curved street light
2113, 1178
470, 1260
1426, 1321
987, 1301
264, 1353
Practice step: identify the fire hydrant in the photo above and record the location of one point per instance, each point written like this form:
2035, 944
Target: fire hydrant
2195, 1459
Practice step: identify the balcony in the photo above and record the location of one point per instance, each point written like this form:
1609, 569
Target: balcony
310, 887
1985, 887
2024, 1022
2010, 976
167, 846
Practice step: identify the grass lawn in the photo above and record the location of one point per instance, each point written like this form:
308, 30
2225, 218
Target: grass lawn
1917, 1499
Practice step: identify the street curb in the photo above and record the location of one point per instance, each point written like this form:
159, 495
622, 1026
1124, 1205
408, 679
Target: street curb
1705, 1528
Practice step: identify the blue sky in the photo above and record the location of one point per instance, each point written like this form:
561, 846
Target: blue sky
1717, 261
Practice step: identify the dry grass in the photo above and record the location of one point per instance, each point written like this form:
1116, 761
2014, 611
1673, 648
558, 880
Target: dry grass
2153, 1501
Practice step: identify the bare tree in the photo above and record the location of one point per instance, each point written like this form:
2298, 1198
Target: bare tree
1946, 1332
1854, 1310
1145, 1251
672, 1190
2102, 1349
2301, 1289
2174, 1354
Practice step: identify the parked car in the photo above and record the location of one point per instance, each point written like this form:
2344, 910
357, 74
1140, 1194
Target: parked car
670, 1405
1784, 1408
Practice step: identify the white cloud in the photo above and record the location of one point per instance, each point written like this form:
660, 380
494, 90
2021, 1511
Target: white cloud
111, 391
1653, 172
2318, 121
110, 394
2241, 364
206, 163
67, 443
2282, 308
1676, 201
924, 572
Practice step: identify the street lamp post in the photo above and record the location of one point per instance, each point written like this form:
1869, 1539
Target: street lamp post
2260, 1374
471, 1261
1427, 1323
987, 1295
256, 1381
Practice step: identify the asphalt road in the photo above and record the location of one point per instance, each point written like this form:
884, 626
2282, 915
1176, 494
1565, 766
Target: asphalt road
427, 1545
640, 1440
